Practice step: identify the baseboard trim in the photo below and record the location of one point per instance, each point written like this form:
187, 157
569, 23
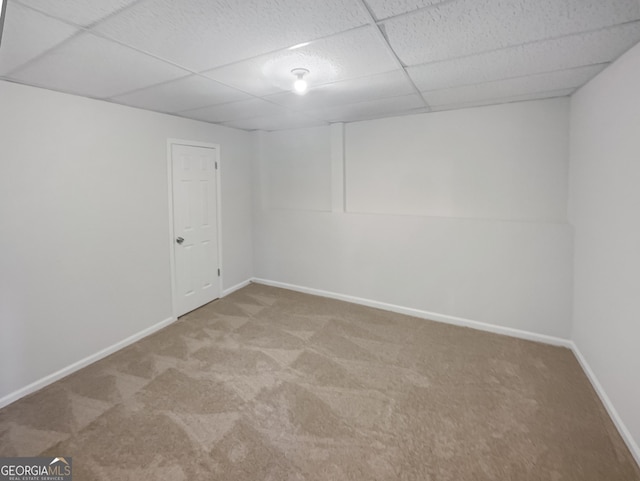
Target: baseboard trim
51, 378
613, 413
507, 331
433, 316
65, 371
237, 287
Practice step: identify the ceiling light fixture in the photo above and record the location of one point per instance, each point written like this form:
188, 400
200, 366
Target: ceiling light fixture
300, 85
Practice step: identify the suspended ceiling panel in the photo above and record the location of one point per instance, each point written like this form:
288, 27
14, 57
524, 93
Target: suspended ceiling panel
372, 109
230, 62
391, 8
385, 85
185, 93
94, 67
356, 53
79, 12
202, 34
516, 98
20, 45
546, 82
276, 122
467, 27
545, 56
232, 111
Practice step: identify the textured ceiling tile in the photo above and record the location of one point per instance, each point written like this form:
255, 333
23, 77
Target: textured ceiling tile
232, 111
183, 94
80, 12
388, 84
389, 8
371, 109
202, 34
91, 66
279, 122
567, 52
351, 54
565, 79
465, 27
352, 75
517, 98
28, 34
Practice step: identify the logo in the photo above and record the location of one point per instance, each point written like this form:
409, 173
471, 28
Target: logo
35, 469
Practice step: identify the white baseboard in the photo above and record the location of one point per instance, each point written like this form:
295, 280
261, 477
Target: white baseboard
613, 413
531, 336
521, 334
51, 378
433, 316
233, 289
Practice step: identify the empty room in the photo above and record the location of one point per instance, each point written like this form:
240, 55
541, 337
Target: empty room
308, 241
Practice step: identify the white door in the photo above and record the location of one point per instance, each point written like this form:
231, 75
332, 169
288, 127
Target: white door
195, 226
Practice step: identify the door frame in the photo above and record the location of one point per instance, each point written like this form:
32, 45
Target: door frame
172, 258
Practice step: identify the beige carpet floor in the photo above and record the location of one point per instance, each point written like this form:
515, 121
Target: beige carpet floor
269, 384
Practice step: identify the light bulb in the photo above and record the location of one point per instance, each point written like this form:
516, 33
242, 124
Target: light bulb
300, 86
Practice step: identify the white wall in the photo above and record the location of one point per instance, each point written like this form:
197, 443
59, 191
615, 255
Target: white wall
493, 246
506, 162
84, 246
605, 211
298, 176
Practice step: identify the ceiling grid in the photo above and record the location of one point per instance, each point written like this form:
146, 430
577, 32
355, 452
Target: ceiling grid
230, 62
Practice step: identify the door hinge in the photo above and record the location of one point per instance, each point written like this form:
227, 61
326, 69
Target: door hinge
216, 166
218, 272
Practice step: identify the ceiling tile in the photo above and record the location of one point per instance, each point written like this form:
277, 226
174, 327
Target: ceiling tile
388, 84
545, 56
243, 109
356, 53
182, 94
202, 34
459, 52
91, 66
517, 98
28, 34
390, 8
371, 109
80, 12
564, 79
277, 122
464, 27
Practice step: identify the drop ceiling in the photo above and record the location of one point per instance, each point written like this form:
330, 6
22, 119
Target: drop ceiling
229, 61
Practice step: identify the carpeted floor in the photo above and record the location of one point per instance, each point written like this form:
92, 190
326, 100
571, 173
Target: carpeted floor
268, 384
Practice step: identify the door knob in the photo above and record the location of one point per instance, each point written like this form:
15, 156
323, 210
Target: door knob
179, 240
